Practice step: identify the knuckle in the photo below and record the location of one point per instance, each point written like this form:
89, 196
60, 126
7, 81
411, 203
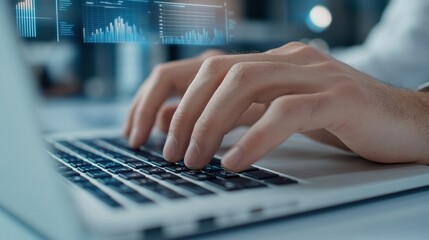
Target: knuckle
203, 126
240, 72
295, 45
306, 50
210, 53
286, 47
178, 121
160, 68
212, 64
161, 72
286, 108
330, 66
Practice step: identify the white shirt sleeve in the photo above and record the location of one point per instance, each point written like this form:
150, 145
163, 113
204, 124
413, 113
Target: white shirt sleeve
397, 49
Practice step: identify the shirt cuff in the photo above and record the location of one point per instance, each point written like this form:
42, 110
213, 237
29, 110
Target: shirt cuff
423, 88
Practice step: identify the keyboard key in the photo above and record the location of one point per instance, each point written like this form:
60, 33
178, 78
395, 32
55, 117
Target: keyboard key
152, 170
225, 174
212, 168
280, 181
144, 182
143, 154
195, 189
138, 164
137, 197
251, 169
70, 173
122, 188
110, 181
166, 192
177, 169
198, 175
77, 179
177, 181
222, 184
95, 191
70, 159
109, 201
120, 169
131, 175
97, 159
85, 184
158, 161
112, 153
88, 168
164, 176
79, 163
260, 174
126, 160
59, 153
216, 162
62, 167
109, 164
246, 183
98, 174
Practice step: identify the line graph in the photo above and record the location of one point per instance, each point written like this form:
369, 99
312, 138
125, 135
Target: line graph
192, 24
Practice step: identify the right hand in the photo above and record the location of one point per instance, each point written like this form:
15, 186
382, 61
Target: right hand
172, 79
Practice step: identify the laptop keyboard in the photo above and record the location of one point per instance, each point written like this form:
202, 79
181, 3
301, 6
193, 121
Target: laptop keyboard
144, 177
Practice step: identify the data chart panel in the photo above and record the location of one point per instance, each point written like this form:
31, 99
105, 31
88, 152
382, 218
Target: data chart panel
192, 23
26, 18
116, 21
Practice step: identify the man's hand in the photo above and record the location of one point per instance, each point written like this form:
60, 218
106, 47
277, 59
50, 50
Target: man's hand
292, 89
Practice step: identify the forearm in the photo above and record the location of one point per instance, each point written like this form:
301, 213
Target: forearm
423, 108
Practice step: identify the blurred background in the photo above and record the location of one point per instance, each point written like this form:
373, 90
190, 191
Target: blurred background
93, 77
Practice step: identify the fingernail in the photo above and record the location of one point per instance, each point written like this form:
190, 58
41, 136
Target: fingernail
192, 154
232, 158
170, 148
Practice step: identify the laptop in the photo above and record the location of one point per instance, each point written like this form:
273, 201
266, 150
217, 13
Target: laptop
91, 185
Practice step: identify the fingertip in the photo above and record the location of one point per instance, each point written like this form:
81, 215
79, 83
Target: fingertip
192, 156
134, 140
170, 148
126, 131
233, 160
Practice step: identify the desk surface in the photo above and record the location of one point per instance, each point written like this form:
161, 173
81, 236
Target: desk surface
399, 216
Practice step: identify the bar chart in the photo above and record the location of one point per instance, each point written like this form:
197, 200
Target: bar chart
26, 18
197, 38
191, 23
117, 31
115, 21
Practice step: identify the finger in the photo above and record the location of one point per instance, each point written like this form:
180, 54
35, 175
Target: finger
163, 82
165, 115
207, 80
287, 115
126, 131
325, 137
251, 115
301, 53
242, 87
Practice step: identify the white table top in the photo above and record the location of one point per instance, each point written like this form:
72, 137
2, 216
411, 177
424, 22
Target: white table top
399, 216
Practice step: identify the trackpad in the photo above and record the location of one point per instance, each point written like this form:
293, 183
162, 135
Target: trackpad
303, 158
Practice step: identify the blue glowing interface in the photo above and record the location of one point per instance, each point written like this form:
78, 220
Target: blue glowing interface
181, 22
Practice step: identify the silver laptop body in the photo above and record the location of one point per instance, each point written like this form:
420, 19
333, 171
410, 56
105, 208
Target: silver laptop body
56, 208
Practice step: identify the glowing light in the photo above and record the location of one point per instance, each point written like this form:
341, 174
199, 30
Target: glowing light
320, 18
